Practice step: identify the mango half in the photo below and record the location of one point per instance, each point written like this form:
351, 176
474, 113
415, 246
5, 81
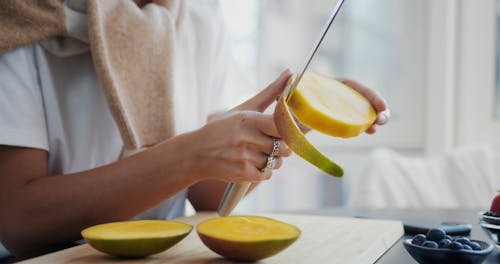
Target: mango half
135, 239
246, 238
325, 105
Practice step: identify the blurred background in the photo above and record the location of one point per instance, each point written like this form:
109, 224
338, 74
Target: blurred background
437, 65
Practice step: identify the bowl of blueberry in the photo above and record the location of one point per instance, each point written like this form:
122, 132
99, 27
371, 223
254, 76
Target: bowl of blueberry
438, 247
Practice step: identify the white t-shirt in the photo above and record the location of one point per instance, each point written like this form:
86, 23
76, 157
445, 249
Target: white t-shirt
56, 104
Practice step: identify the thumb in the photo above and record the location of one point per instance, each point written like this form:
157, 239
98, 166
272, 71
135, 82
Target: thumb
266, 97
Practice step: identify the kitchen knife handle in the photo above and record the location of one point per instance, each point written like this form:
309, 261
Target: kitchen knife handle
232, 196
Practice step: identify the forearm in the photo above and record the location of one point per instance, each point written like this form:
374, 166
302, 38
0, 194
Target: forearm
39, 209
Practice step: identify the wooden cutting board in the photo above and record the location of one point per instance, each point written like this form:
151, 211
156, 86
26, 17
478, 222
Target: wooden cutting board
323, 240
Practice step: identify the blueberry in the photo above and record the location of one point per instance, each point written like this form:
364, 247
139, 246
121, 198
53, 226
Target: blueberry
463, 240
467, 247
456, 245
448, 237
430, 244
475, 246
418, 239
444, 243
436, 234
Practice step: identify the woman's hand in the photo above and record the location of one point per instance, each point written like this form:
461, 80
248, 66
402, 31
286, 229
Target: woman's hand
234, 147
383, 112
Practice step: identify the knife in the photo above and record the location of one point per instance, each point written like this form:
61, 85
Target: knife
236, 191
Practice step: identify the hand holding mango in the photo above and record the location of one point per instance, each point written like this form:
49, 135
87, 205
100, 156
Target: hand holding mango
330, 107
375, 99
319, 102
233, 146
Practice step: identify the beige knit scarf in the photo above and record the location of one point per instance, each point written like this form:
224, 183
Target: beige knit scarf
132, 50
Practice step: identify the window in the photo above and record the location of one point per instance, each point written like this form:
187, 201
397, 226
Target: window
369, 43
477, 75
269, 36
381, 43
497, 91
242, 21
436, 62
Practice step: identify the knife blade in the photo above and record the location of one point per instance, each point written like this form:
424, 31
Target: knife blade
290, 88
236, 191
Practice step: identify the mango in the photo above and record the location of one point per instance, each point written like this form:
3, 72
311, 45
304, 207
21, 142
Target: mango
247, 238
134, 239
325, 105
329, 106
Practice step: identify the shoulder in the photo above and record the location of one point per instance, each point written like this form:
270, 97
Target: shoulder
21, 103
20, 57
18, 69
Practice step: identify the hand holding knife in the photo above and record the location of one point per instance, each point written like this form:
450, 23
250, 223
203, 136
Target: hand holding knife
236, 191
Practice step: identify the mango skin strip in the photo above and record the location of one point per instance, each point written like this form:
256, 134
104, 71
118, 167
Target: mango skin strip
299, 144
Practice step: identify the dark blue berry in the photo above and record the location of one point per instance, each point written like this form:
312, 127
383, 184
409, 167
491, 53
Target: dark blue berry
418, 239
463, 240
467, 247
456, 245
430, 244
475, 246
444, 243
448, 237
436, 234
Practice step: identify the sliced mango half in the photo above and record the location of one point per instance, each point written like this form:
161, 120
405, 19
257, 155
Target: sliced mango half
325, 105
247, 238
136, 238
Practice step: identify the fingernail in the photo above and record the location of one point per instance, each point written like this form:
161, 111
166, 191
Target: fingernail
387, 111
382, 119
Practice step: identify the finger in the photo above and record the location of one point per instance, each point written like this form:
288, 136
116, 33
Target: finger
371, 130
267, 127
267, 96
260, 161
375, 99
284, 150
268, 147
279, 163
265, 175
265, 144
264, 123
259, 173
250, 169
382, 118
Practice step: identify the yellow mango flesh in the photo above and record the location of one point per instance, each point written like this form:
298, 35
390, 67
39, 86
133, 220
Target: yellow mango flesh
299, 144
325, 105
328, 106
136, 238
247, 238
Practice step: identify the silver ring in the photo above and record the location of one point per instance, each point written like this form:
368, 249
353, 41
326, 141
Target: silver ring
276, 147
271, 163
